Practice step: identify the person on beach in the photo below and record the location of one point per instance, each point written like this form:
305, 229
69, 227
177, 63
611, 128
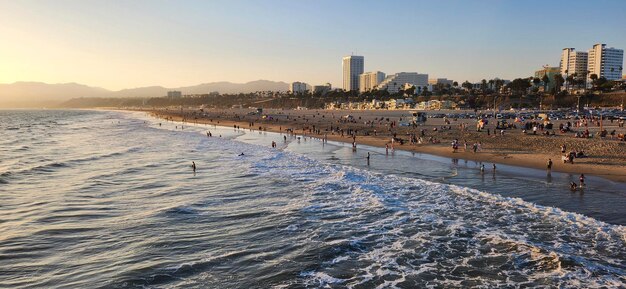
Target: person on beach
549, 164
582, 180
482, 168
193, 166
494, 168
573, 186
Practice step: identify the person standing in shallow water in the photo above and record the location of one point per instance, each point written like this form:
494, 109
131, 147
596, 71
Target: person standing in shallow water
193, 166
582, 180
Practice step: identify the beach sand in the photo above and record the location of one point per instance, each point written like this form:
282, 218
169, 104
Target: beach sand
605, 157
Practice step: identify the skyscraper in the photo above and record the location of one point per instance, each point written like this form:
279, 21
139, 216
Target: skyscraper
353, 66
605, 62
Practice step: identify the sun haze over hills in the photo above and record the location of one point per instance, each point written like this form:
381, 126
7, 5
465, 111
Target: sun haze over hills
119, 45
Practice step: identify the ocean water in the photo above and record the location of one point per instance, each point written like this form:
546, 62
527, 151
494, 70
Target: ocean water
96, 199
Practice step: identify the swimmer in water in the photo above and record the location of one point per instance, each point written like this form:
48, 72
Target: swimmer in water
241, 154
573, 186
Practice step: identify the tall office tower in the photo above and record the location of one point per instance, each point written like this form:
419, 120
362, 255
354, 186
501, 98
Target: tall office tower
573, 62
353, 66
605, 62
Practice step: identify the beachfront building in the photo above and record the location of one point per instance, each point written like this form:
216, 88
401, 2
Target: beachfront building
370, 80
441, 81
605, 62
436, 105
322, 89
393, 83
550, 72
573, 62
174, 94
298, 87
353, 66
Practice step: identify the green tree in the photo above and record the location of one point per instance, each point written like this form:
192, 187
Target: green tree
558, 82
594, 79
483, 86
546, 80
410, 91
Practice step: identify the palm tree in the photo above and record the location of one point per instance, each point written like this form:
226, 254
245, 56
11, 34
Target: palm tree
558, 82
594, 80
570, 80
545, 80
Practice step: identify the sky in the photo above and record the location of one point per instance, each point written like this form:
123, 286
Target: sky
125, 44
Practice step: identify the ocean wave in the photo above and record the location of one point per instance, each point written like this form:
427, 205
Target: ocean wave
421, 233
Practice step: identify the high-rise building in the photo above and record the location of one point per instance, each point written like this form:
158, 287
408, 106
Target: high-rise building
605, 62
393, 83
297, 87
573, 62
369, 80
353, 66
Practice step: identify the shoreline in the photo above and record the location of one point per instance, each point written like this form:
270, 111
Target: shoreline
524, 159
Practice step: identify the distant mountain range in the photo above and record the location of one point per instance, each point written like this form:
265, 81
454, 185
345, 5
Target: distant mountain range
38, 94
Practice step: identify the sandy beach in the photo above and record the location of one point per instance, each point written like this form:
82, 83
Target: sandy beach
603, 157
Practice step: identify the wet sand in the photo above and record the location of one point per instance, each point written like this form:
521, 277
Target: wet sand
605, 157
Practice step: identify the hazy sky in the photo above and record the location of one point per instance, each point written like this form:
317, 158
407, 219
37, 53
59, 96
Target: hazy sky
123, 44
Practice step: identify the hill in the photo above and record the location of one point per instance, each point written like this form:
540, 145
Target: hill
39, 94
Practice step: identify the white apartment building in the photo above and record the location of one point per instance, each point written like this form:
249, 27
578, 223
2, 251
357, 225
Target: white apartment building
353, 66
605, 62
573, 61
393, 83
369, 80
298, 87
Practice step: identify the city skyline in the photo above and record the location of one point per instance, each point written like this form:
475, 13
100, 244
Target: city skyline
115, 46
